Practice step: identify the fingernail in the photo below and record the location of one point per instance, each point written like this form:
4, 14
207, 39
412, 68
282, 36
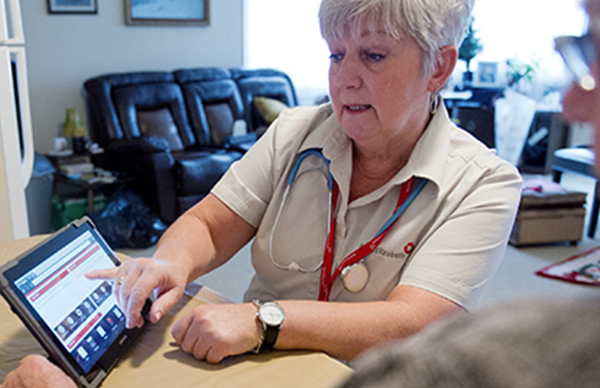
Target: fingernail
157, 316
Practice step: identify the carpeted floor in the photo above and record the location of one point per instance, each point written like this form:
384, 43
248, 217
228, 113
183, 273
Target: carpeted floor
515, 279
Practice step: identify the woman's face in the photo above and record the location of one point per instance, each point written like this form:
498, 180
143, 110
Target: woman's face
377, 87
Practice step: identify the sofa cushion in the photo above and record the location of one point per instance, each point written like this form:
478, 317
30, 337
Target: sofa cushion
130, 99
197, 172
220, 121
269, 108
160, 123
104, 123
213, 124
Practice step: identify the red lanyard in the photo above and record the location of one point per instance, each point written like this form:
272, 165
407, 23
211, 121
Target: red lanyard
326, 277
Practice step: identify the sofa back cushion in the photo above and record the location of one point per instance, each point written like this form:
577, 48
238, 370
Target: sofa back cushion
213, 103
131, 99
191, 96
160, 123
220, 121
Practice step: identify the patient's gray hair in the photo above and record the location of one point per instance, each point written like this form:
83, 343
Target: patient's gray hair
434, 24
533, 343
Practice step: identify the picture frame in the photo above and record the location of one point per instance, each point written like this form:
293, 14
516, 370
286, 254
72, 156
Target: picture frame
167, 12
72, 6
487, 74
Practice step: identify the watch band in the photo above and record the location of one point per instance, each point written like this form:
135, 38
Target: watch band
271, 334
261, 337
262, 327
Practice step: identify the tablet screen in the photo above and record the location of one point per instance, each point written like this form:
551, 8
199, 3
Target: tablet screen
81, 313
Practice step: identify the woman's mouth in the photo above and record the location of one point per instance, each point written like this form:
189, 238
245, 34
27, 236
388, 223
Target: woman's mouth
357, 108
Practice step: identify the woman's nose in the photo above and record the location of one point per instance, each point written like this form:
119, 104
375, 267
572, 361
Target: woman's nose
345, 74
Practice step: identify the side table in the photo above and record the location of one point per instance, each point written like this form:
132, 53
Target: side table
88, 183
91, 185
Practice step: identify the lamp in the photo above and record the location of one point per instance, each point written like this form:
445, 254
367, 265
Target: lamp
74, 129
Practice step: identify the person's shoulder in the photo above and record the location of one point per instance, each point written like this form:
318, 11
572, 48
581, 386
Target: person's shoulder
467, 149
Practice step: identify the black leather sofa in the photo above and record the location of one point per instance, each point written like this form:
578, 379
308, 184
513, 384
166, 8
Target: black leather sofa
176, 133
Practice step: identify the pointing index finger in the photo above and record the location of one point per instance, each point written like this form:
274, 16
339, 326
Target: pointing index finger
109, 273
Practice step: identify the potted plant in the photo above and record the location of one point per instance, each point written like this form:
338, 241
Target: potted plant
518, 70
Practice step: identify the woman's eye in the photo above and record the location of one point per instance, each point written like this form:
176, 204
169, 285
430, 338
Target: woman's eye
336, 57
373, 57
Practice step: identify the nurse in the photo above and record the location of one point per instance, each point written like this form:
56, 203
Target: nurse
370, 217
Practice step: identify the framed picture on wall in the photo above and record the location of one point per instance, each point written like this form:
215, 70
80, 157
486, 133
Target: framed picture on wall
487, 74
72, 6
167, 12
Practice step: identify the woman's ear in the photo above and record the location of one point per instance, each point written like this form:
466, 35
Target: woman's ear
443, 69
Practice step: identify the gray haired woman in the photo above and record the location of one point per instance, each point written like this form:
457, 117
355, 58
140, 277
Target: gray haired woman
369, 217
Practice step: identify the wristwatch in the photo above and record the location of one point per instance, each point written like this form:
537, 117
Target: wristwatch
270, 316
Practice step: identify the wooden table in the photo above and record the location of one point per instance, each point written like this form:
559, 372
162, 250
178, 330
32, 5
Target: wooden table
155, 361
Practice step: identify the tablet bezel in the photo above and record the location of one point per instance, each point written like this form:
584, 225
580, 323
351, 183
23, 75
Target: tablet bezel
17, 267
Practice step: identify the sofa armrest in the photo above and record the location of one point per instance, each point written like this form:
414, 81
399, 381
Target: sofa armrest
138, 145
241, 139
241, 143
149, 161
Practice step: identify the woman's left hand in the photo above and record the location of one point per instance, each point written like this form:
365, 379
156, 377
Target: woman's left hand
36, 371
213, 332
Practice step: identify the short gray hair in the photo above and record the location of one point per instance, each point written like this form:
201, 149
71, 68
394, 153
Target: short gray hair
434, 24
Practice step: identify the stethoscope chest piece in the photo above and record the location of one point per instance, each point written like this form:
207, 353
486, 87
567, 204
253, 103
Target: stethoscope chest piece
355, 277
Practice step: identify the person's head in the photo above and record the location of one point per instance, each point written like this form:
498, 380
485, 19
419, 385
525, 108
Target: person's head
531, 343
582, 105
388, 60
434, 24
592, 7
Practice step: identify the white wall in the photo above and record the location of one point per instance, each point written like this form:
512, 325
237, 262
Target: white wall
525, 29
65, 50
297, 49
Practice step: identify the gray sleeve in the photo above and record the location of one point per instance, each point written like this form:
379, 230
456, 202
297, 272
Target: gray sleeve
525, 344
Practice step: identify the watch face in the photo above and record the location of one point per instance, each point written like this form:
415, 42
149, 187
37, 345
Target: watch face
271, 314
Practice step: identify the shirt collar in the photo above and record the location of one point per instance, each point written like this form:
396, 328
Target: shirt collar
330, 136
428, 159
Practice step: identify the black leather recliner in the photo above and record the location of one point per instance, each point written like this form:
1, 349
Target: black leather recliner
262, 83
177, 133
215, 107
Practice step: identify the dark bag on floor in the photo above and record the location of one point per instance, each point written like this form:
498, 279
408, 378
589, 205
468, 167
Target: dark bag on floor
127, 222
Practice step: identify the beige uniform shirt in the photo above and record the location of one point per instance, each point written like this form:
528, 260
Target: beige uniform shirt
450, 240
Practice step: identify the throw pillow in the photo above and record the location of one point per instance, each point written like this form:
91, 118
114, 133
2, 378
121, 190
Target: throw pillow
160, 123
269, 108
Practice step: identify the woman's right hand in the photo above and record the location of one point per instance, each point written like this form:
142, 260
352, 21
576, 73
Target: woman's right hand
135, 281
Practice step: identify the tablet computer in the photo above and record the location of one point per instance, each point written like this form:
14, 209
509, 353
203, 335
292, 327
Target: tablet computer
75, 319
